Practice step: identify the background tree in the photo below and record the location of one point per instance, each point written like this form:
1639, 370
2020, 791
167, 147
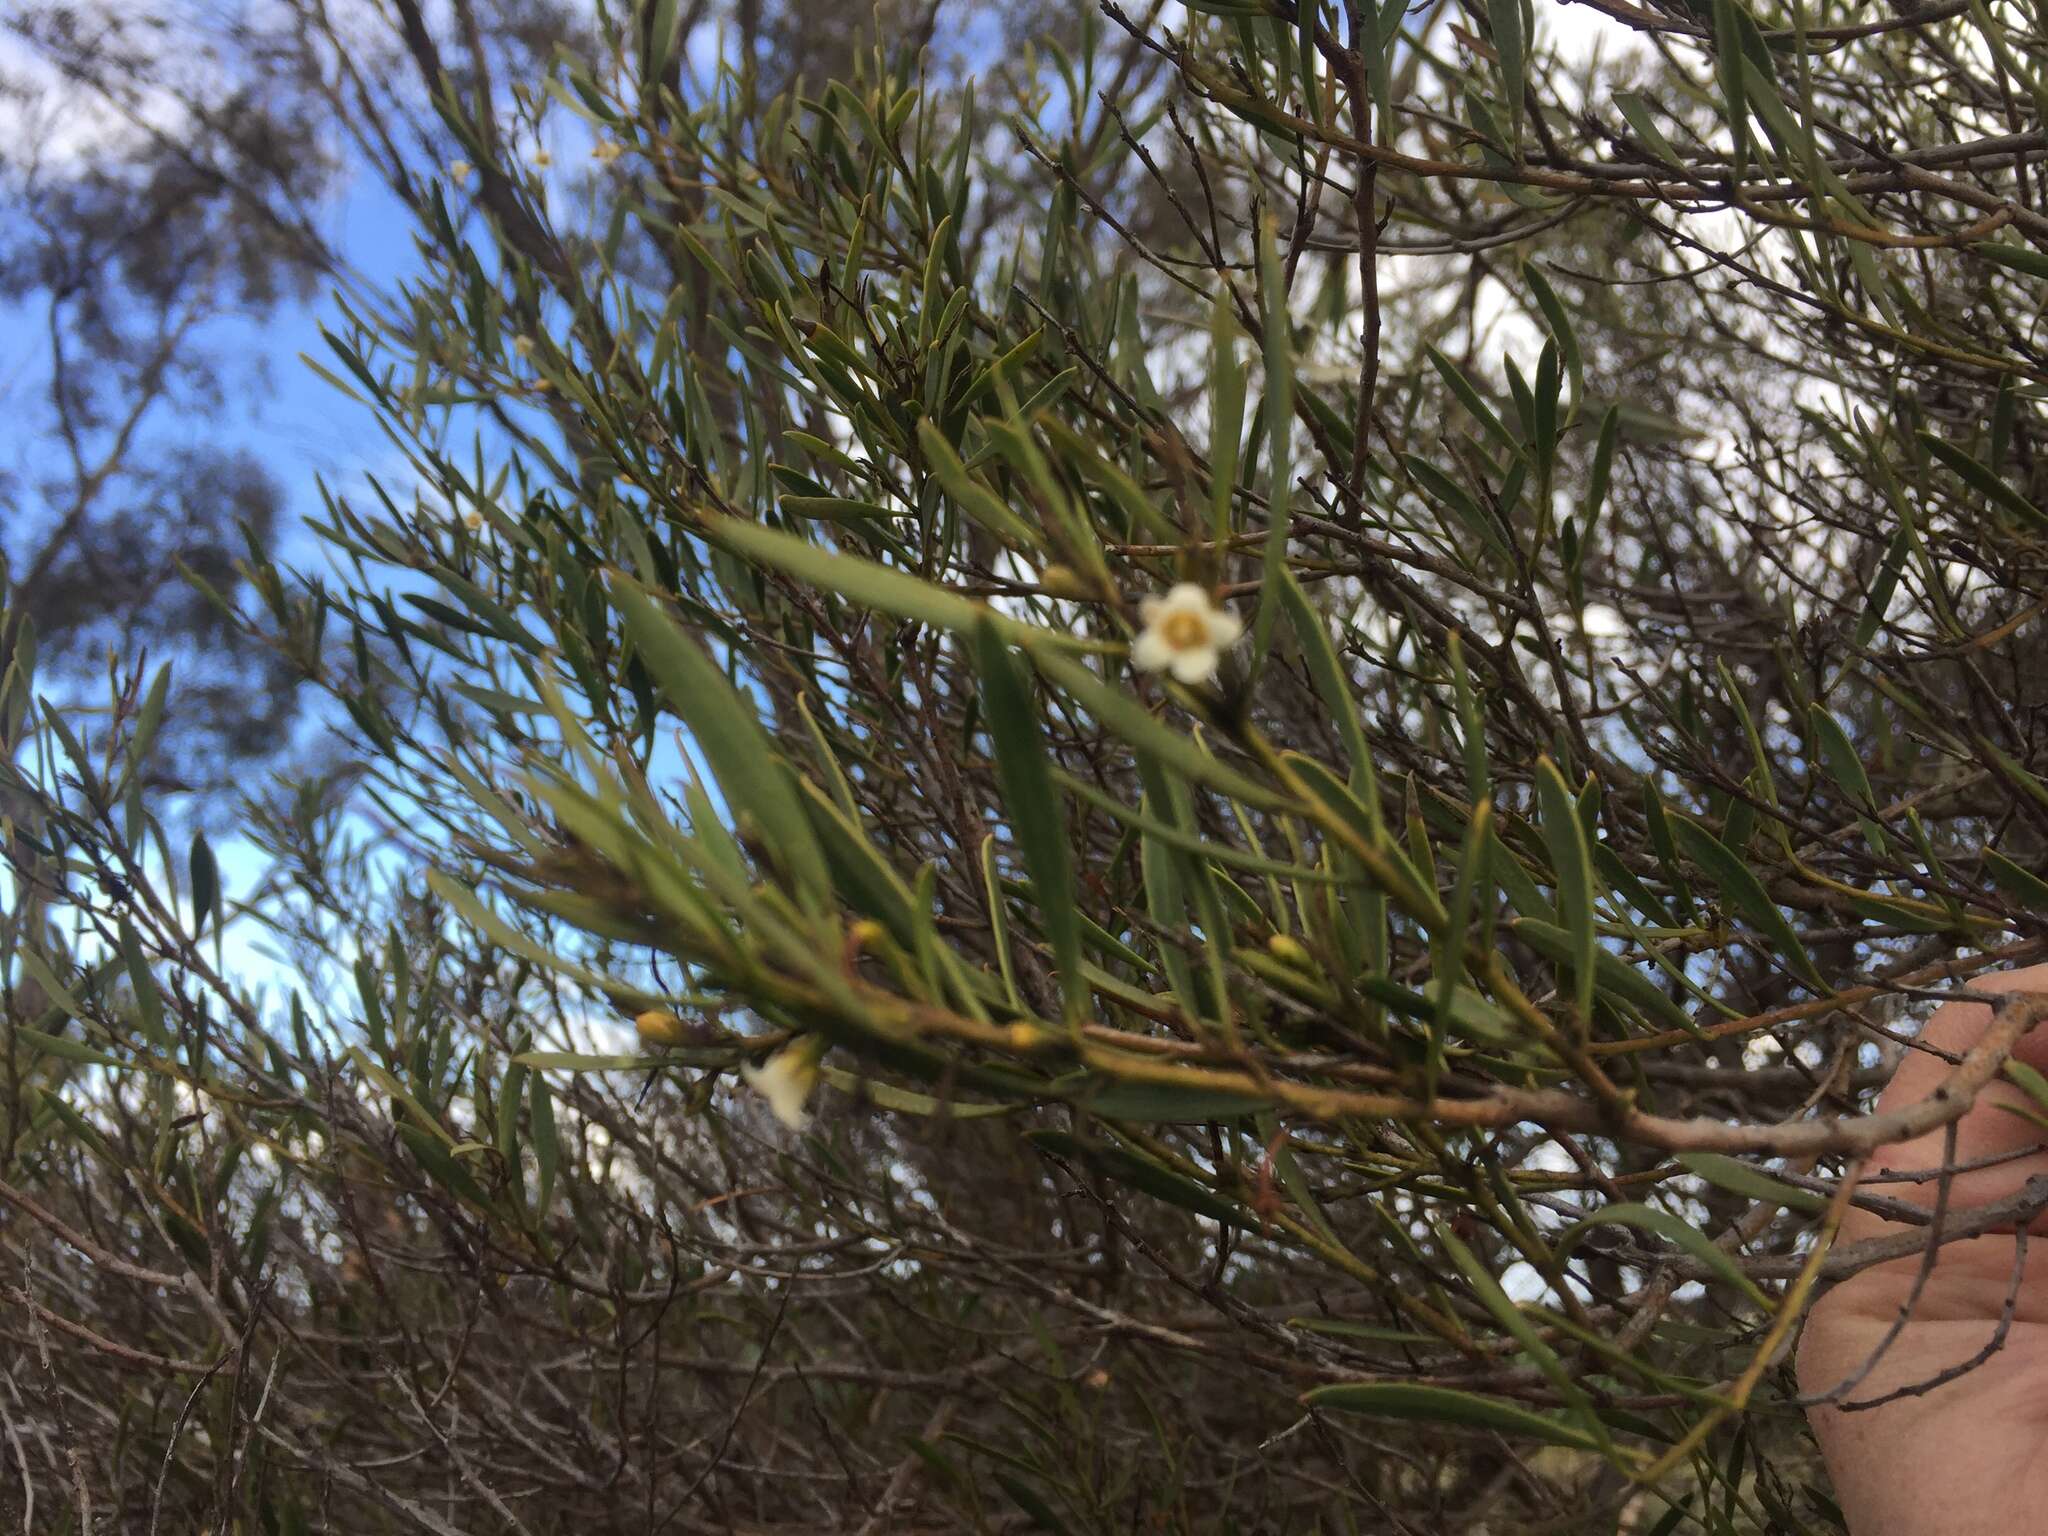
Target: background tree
1411, 1078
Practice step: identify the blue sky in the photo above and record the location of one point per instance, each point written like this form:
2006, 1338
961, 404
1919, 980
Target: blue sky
296, 424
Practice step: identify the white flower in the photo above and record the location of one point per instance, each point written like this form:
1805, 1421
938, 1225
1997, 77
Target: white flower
1185, 633
458, 171
542, 159
786, 1079
605, 151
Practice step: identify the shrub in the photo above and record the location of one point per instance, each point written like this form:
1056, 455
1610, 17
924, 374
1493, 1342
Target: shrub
1394, 1072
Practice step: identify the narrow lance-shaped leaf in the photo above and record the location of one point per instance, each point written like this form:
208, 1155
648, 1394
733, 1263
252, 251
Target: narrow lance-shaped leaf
1279, 411
1846, 769
547, 1146
1326, 671
1226, 417
1035, 808
1984, 481
1447, 1405
205, 874
1519, 1328
1472, 862
1745, 893
1125, 716
1508, 44
1739, 1178
1573, 867
1680, 1233
726, 730
1558, 318
1728, 69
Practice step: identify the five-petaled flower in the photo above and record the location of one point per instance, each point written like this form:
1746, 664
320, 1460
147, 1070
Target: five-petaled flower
786, 1079
1185, 633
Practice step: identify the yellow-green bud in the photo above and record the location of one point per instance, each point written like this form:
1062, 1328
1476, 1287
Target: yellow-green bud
657, 1027
1065, 581
1290, 952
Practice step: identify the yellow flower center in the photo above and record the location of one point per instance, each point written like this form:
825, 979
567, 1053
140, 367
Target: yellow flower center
1183, 630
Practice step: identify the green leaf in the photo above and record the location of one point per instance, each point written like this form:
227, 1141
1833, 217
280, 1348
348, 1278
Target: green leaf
1508, 43
1743, 891
1597, 476
726, 729
1844, 766
1162, 1102
151, 715
1518, 1327
205, 885
1984, 481
1469, 1010
903, 1101
1559, 320
1728, 69
1338, 1328
2020, 258
1636, 112
1512, 876
1279, 411
579, 1061
1617, 978
1677, 1232
1473, 401
1226, 414
403, 1096
2027, 889
148, 995
1882, 586
547, 1144
839, 509
863, 581
1573, 866
2031, 1082
1143, 1173
1450, 947
661, 42
510, 1092
1183, 839
1125, 716
1446, 1405
976, 500
1027, 1498
1337, 800
1460, 501
66, 1049
1846, 769
1035, 807
1326, 671
1739, 1178
865, 881
1471, 725
440, 1166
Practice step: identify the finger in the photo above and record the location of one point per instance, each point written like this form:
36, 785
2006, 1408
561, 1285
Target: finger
1989, 1132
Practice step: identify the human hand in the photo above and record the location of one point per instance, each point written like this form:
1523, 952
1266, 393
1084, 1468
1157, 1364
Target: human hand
1953, 1363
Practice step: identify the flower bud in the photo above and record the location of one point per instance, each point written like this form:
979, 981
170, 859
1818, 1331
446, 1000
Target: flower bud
1289, 952
1065, 581
658, 1027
